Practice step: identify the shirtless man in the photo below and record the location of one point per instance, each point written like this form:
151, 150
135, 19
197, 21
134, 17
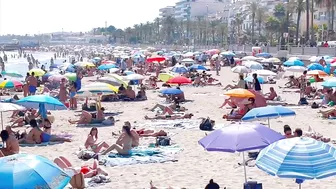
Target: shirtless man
32, 84
130, 93
171, 117
11, 143
34, 135
271, 95
86, 117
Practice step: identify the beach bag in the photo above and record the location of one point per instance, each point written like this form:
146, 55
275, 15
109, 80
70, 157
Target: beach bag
206, 125
77, 181
163, 141
314, 105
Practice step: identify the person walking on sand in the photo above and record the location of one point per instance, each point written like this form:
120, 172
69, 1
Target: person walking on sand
32, 84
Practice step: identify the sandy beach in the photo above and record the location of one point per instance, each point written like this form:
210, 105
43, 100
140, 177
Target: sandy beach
195, 166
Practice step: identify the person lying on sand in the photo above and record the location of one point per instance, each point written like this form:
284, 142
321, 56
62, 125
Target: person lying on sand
151, 133
11, 144
169, 109
87, 171
91, 141
331, 113
87, 117
271, 95
126, 143
24, 118
171, 117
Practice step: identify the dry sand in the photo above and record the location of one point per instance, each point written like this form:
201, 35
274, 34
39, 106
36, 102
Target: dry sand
195, 166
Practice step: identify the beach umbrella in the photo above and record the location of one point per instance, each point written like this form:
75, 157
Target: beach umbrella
294, 58
188, 54
329, 83
271, 60
251, 58
98, 88
253, 65
119, 78
315, 66
268, 113
11, 73
165, 76
317, 72
41, 102
21, 171
108, 62
179, 80
264, 55
37, 72
314, 59
296, 69
156, 59
240, 137
135, 77
264, 73
240, 93
213, 51
171, 91
57, 78
299, 158
9, 84
85, 64
71, 76
228, 53
187, 61
110, 80
67, 67
46, 76
113, 70
197, 67
127, 72
250, 79
240, 69
7, 107
293, 62
97, 58
106, 66
179, 69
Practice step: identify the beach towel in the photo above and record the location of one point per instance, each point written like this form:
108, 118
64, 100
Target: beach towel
41, 144
181, 123
142, 155
103, 124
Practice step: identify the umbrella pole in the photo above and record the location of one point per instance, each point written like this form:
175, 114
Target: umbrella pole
244, 163
269, 126
299, 186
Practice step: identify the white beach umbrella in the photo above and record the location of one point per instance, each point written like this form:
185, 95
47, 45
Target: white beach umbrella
253, 65
294, 58
7, 107
264, 73
240, 69
314, 59
135, 77
271, 60
296, 69
249, 58
113, 70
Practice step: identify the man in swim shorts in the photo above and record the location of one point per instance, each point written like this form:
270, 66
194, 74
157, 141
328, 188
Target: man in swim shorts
32, 84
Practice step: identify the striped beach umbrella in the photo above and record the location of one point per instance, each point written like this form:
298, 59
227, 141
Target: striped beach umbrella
11, 73
9, 84
97, 89
299, 158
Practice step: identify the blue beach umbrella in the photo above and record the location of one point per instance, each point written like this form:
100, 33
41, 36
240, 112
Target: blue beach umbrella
268, 112
179, 69
293, 62
250, 79
171, 91
228, 53
11, 73
299, 158
329, 83
41, 102
31, 171
197, 67
264, 55
106, 66
315, 66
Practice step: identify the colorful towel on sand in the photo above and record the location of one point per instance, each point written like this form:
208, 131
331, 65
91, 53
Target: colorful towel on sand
180, 123
142, 155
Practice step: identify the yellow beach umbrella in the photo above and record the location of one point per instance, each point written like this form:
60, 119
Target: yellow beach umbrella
97, 89
37, 72
119, 78
165, 76
240, 93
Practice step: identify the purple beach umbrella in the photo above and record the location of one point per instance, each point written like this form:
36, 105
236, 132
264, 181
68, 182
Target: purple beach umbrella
240, 137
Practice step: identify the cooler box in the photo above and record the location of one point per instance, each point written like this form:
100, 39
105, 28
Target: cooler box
252, 185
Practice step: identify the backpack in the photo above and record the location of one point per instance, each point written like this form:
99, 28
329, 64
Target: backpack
206, 125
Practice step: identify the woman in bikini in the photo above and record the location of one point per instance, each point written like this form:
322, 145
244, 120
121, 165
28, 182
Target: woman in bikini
91, 141
126, 147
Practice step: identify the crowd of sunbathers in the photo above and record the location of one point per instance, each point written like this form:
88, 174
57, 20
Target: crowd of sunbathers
298, 133
203, 79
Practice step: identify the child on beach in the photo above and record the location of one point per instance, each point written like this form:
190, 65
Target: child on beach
72, 92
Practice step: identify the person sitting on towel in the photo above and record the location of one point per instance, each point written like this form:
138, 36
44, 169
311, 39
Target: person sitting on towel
126, 143
271, 95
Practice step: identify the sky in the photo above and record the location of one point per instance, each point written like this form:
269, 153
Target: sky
45, 16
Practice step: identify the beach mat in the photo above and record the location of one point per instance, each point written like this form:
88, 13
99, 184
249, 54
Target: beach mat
180, 123
142, 155
94, 125
41, 144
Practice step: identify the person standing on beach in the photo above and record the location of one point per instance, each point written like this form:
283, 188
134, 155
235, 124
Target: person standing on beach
212, 185
217, 65
32, 84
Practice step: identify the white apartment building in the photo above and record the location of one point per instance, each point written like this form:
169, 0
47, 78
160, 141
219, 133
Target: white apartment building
191, 9
167, 11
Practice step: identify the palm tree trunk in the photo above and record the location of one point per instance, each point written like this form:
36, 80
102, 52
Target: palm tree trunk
307, 21
259, 29
332, 15
297, 27
253, 17
312, 22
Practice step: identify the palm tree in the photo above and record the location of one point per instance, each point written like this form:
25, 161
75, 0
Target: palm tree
253, 8
260, 16
238, 21
299, 8
307, 20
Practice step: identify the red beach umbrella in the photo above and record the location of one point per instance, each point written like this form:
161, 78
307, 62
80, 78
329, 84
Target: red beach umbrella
156, 59
179, 80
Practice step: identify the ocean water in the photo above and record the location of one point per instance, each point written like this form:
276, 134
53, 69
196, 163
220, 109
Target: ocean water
20, 65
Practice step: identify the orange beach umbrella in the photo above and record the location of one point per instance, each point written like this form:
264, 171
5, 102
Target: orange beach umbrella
240, 93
